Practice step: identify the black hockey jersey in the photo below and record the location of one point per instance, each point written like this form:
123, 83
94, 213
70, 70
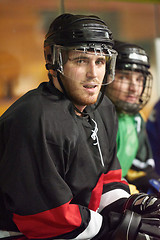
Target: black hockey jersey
58, 171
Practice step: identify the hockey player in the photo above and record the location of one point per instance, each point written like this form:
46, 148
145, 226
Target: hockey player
59, 173
130, 92
153, 130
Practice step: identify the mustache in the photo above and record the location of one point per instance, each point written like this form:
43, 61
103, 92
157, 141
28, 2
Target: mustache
93, 82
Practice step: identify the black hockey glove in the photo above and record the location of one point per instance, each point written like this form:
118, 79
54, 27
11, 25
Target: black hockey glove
131, 226
144, 204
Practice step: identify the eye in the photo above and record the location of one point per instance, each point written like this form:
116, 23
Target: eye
81, 61
100, 61
140, 79
123, 77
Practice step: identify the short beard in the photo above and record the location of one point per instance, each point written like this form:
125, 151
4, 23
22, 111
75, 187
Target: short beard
80, 101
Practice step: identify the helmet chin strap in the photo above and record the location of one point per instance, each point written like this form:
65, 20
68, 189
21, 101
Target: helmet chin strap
62, 86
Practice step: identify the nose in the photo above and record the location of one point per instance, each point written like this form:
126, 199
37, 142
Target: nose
133, 86
91, 70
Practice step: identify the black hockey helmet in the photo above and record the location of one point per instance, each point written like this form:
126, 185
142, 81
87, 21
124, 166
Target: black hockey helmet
131, 58
70, 30
78, 32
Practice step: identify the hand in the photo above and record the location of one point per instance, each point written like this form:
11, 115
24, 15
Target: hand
144, 204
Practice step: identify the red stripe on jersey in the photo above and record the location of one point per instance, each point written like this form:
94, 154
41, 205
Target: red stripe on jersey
124, 182
96, 195
114, 176
51, 223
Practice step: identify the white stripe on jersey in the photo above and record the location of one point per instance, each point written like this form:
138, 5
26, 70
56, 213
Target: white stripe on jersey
112, 196
6, 234
93, 226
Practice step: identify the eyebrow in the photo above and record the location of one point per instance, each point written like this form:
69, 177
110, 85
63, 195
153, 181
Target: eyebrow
84, 57
128, 74
78, 57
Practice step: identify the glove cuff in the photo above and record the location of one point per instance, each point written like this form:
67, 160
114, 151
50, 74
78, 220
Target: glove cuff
132, 200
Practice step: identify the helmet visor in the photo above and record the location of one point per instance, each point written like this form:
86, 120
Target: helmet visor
94, 63
131, 90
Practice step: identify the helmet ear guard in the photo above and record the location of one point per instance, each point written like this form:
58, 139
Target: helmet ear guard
48, 53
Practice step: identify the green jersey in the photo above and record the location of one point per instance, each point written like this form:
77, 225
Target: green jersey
127, 141
134, 151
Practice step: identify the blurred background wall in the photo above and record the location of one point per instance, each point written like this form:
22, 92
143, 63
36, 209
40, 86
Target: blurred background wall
23, 24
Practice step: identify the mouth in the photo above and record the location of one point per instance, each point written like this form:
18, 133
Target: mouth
90, 85
132, 98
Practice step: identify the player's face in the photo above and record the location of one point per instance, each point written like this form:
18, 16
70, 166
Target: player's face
128, 86
83, 76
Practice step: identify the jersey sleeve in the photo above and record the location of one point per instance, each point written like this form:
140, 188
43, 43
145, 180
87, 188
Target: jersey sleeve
115, 190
